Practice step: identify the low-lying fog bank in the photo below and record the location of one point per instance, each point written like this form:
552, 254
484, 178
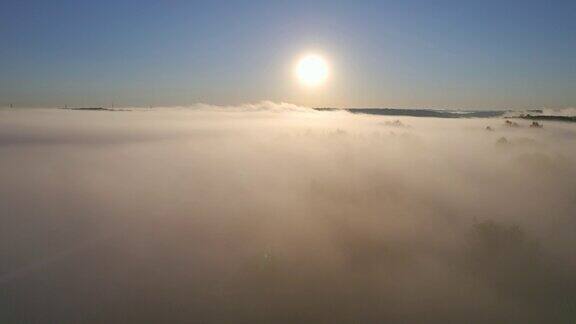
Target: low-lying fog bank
276, 213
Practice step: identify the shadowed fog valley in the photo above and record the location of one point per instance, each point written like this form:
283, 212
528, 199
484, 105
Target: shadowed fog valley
274, 213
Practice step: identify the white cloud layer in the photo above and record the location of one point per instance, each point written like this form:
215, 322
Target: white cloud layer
279, 213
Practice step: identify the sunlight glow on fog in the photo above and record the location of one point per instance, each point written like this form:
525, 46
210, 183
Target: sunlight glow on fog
278, 213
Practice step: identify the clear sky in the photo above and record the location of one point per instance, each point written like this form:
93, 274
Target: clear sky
450, 54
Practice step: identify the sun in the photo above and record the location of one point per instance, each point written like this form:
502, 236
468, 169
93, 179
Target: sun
312, 70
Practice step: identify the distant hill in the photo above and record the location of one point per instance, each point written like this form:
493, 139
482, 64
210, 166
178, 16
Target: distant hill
549, 117
438, 113
536, 114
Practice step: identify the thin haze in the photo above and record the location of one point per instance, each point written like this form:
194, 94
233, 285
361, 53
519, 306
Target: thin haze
275, 213
440, 54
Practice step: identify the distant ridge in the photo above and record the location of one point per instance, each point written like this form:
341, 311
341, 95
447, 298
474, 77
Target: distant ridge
549, 117
422, 112
94, 109
534, 114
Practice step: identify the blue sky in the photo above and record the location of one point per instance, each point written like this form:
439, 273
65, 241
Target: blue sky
452, 54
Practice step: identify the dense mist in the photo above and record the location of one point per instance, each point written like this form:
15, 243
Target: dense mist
275, 213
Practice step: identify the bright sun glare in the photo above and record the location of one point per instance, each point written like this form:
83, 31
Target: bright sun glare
312, 70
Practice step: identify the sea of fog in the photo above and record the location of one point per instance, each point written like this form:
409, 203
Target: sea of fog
273, 213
